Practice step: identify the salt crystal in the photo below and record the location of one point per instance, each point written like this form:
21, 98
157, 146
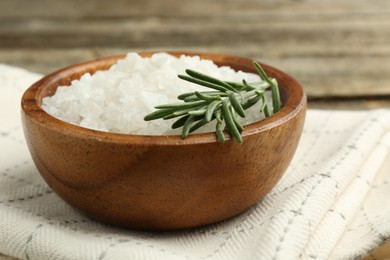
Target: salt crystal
116, 100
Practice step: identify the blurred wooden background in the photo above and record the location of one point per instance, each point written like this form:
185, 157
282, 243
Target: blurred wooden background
338, 49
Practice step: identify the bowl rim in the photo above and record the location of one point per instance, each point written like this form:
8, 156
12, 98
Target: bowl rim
31, 104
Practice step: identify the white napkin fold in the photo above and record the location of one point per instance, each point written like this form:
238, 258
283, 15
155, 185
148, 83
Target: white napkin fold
331, 203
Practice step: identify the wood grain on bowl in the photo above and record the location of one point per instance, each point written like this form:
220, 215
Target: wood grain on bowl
161, 182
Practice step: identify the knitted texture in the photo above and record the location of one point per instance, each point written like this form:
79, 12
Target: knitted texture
331, 202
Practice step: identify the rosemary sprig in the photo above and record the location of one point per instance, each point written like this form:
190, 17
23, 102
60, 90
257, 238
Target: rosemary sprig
224, 103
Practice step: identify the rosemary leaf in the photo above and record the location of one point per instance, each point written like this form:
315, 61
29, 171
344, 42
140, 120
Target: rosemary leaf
180, 112
206, 97
180, 122
251, 102
197, 112
236, 105
215, 93
183, 96
276, 97
209, 93
198, 125
158, 114
240, 128
264, 107
182, 105
210, 109
202, 83
275, 90
247, 86
210, 79
191, 98
236, 85
173, 115
187, 126
263, 85
218, 128
230, 125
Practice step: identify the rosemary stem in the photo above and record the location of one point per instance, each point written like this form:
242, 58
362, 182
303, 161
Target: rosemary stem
225, 103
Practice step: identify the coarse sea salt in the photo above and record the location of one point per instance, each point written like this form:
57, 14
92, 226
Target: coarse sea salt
116, 100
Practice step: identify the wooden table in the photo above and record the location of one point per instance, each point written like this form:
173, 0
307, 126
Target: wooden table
338, 49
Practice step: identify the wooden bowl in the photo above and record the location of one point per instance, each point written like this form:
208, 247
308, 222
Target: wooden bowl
161, 182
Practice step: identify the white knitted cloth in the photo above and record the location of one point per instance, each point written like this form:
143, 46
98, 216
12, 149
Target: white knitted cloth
331, 203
